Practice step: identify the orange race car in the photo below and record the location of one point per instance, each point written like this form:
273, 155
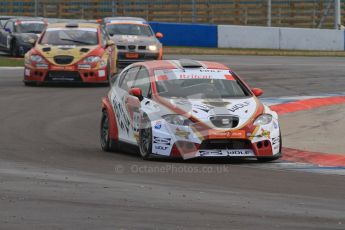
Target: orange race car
71, 52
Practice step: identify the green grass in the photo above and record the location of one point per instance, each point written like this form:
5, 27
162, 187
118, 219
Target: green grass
9, 61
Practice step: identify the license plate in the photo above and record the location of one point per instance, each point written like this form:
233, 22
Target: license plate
132, 55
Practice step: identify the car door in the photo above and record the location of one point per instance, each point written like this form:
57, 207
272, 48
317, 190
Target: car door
119, 96
133, 104
6, 36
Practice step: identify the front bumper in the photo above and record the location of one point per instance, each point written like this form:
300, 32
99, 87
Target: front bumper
65, 75
123, 59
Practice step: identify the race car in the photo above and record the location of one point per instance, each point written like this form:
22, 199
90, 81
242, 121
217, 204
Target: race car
188, 109
19, 35
71, 52
134, 38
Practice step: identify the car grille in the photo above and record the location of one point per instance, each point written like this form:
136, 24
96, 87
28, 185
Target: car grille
63, 76
63, 59
121, 47
131, 47
224, 121
141, 47
226, 144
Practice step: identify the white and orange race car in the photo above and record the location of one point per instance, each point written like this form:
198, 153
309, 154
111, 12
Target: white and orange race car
188, 109
71, 52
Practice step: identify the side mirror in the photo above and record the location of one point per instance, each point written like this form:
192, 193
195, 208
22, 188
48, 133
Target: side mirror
110, 43
257, 92
32, 41
8, 30
136, 92
159, 35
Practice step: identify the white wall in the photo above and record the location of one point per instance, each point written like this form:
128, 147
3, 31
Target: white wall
248, 37
280, 38
311, 39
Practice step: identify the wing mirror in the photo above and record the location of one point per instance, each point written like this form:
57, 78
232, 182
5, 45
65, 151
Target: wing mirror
257, 92
8, 30
110, 43
159, 35
136, 92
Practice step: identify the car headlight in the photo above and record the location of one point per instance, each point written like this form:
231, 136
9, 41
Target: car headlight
175, 119
92, 59
263, 119
152, 47
37, 59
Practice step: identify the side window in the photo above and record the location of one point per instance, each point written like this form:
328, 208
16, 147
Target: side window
104, 37
9, 25
143, 81
127, 80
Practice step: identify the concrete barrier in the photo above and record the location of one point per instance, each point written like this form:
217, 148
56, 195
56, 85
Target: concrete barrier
248, 37
280, 38
311, 39
177, 34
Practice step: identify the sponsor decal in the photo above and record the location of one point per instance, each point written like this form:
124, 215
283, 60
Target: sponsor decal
210, 152
204, 108
265, 133
42, 66
160, 147
162, 140
239, 152
122, 119
275, 140
62, 68
239, 106
158, 125
194, 76
275, 125
236, 134
84, 66
181, 133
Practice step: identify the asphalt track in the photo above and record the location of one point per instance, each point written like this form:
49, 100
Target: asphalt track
54, 176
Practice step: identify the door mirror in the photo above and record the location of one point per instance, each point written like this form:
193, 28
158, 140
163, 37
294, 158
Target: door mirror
136, 92
159, 35
8, 30
32, 41
257, 92
110, 43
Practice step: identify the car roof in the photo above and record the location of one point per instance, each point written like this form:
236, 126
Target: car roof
79, 25
26, 19
186, 64
125, 19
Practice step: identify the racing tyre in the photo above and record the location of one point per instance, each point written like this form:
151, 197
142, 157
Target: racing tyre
268, 159
14, 49
145, 139
107, 144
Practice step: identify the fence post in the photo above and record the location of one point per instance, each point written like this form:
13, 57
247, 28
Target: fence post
337, 14
193, 11
269, 13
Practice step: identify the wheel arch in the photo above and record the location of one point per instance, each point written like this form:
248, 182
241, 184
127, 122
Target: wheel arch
113, 130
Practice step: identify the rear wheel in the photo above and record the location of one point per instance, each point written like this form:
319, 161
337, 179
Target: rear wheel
107, 144
145, 139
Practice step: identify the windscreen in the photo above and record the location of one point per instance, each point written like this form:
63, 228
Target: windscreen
199, 83
129, 29
75, 36
30, 27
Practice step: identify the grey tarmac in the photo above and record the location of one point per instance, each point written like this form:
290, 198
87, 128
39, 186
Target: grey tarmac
53, 174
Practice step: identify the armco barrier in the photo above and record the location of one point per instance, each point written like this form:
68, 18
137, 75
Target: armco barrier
187, 34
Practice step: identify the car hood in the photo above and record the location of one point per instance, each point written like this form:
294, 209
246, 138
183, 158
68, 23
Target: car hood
203, 109
132, 39
78, 52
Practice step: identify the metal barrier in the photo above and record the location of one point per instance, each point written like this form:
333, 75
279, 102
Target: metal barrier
292, 13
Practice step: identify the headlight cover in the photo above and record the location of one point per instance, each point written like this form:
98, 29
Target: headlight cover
175, 119
92, 59
152, 47
263, 119
37, 59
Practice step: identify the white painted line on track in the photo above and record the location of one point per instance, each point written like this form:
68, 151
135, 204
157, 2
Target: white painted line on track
11, 68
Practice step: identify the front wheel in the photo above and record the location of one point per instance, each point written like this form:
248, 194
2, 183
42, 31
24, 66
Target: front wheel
107, 144
145, 140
